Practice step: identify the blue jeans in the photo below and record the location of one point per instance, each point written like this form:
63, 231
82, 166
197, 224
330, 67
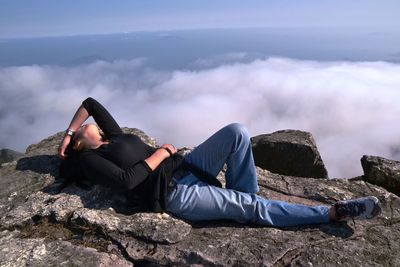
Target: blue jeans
194, 199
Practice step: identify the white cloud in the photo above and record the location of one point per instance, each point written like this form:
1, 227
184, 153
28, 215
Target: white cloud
350, 107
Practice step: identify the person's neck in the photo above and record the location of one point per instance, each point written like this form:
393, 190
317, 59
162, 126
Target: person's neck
101, 142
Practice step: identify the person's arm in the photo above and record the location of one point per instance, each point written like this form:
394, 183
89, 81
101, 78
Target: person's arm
105, 172
156, 158
79, 117
102, 117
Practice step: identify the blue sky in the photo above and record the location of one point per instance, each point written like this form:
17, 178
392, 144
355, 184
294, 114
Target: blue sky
49, 18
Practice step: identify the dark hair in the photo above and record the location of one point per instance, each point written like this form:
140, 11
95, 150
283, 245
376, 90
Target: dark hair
70, 167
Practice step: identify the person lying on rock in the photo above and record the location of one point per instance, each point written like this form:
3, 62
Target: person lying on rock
186, 185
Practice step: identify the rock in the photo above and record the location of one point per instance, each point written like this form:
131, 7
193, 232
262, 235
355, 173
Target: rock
7, 155
39, 204
145, 138
45, 223
382, 171
152, 227
28, 174
289, 152
16, 251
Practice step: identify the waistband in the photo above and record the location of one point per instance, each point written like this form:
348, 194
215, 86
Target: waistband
179, 174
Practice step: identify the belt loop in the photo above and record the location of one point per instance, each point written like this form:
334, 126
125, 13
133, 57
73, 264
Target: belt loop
172, 184
176, 177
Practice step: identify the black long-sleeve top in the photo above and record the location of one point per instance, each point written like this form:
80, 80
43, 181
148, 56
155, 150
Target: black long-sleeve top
120, 163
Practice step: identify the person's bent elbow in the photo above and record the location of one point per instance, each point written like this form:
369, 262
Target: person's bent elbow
132, 177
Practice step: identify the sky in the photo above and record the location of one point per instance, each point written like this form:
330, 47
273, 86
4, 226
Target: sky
180, 70
64, 17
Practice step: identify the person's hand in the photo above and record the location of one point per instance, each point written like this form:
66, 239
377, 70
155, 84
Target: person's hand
63, 146
171, 147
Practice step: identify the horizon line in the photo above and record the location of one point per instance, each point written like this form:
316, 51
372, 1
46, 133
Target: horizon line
178, 29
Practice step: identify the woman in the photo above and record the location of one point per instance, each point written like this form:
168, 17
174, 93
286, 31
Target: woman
120, 160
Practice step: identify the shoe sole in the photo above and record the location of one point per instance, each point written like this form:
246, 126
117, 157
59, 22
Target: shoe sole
377, 208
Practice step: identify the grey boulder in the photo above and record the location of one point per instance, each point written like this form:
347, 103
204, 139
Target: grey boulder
289, 152
382, 171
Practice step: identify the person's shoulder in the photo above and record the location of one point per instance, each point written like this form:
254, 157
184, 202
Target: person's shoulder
119, 134
87, 153
89, 158
122, 134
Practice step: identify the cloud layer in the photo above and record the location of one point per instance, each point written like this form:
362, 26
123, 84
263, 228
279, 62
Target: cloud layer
351, 108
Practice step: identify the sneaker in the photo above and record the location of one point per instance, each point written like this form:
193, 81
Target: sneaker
359, 208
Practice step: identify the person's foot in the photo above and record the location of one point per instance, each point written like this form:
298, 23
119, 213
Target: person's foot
359, 208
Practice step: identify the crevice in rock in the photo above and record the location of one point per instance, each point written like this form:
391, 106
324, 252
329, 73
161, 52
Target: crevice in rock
392, 221
368, 186
324, 199
44, 227
391, 209
275, 189
97, 230
136, 262
292, 253
87, 236
289, 253
197, 259
286, 185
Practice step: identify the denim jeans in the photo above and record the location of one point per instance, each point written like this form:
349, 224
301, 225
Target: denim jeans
194, 199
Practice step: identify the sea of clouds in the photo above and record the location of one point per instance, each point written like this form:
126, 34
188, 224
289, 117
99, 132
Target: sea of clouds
351, 108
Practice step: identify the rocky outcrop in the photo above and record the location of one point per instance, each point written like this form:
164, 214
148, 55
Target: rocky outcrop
382, 171
7, 155
45, 223
289, 152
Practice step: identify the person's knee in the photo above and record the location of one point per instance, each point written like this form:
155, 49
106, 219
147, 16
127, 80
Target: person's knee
238, 128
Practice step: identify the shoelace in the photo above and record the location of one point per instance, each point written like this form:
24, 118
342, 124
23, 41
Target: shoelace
350, 209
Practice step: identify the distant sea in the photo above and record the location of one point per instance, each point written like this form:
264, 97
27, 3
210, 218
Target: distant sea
190, 49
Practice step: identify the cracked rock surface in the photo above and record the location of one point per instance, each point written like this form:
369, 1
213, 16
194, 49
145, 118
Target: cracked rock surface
43, 223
